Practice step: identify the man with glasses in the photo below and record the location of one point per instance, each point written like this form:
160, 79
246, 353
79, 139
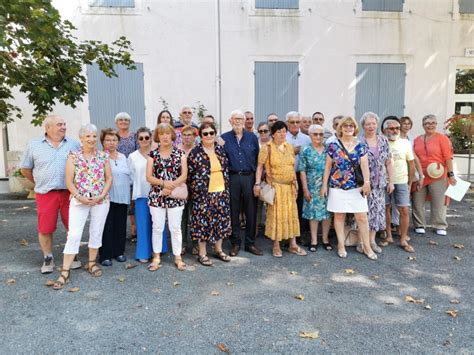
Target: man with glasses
404, 169
242, 149
318, 118
44, 164
271, 119
185, 119
298, 140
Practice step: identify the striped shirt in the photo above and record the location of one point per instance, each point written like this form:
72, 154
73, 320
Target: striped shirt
48, 162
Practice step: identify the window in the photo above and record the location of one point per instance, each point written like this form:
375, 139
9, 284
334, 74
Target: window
466, 6
380, 88
111, 3
464, 91
382, 5
277, 4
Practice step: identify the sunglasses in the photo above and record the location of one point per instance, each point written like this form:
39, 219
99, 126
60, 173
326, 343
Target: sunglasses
317, 134
294, 122
318, 119
187, 112
394, 128
262, 131
249, 118
146, 138
210, 133
272, 121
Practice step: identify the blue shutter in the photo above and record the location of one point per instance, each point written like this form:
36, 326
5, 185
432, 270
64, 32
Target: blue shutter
109, 96
112, 3
466, 6
382, 5
380, 88
277, 4
276, 88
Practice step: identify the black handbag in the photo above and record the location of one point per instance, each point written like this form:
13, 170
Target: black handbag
357, 169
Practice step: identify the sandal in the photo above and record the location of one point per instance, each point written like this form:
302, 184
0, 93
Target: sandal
277, 253
180, 263
386, 242
223, 256
204, 260
372, 256
297, 251
327, 246
62, 280
342, 254
93, 269
376, 248
360, 248
155, 264
407, 247
313, 248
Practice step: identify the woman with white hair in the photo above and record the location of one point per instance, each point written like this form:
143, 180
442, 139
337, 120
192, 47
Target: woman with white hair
88, 179
311, 168
380, 165
127, 143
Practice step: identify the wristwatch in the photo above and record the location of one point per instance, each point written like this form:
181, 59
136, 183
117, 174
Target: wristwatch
450, 174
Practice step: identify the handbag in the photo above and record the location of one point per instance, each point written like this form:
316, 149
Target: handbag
359, 177
180, 192
267, 191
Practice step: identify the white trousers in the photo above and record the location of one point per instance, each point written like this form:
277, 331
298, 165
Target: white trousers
77, 219
158, 216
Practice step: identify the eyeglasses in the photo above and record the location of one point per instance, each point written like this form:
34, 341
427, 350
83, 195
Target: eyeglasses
187, 135
430, 123
393, 128
317, 134
263, 131
187, 112
272, 121
146, 138
123, 120
111, 140
210, 133
318, 119
348, 126
294, 122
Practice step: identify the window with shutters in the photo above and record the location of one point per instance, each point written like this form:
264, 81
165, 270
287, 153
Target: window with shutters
466, 6
277, 4
111, 3
382, 5
464, 91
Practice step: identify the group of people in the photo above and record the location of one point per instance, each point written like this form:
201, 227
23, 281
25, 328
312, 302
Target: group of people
185, 183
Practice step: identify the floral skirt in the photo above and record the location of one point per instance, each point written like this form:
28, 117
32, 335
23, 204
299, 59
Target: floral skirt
282, 217
376, 201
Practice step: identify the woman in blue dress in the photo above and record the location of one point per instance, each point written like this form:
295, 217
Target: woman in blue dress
311, 167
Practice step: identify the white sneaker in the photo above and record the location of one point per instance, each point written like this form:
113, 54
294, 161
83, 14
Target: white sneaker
76, 264
420, 230
441, 232
48, 265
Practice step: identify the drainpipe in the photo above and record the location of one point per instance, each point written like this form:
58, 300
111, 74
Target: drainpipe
219, 72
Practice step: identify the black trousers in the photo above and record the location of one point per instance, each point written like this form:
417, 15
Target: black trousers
241, 189
115, 231
304, 224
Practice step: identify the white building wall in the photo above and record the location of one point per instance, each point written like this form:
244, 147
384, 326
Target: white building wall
177, 42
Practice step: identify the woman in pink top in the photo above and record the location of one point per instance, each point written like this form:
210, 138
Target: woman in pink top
432, 147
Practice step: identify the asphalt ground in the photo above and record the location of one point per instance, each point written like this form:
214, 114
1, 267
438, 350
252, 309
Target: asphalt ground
249, 305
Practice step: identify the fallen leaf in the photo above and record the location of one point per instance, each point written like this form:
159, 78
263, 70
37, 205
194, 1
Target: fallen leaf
300, 297
412, 258
121, 279
309, 335
428, 307
375, 277
11, 281
23, 242
222, 347
458, 246
349, 271
432, 242
410, 299
155, 290
129, 266
457, 258
452, 312
293, 273
447, 342
49, 283
74, 289
215, 293
230, 284
455, 301
389, 303
176, 283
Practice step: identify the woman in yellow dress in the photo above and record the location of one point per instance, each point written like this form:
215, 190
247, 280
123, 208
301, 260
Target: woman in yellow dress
278, 159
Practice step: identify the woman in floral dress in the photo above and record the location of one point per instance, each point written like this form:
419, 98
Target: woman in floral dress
208, 179
311, 167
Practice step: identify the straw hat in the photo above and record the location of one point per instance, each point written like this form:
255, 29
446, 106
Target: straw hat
435, 170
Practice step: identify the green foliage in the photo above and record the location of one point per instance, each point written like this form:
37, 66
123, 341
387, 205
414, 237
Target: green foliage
465, 81
200, 109
41, 57
461, 132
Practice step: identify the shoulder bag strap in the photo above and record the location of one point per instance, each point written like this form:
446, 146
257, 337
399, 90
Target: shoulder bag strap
348, 156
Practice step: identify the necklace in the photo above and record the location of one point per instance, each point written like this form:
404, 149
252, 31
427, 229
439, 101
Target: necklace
348, 145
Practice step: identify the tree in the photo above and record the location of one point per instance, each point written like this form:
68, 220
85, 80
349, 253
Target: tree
40, 55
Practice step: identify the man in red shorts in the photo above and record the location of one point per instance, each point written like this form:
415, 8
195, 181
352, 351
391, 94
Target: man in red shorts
44, 163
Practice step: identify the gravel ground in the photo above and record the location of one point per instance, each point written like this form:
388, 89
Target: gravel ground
246, 306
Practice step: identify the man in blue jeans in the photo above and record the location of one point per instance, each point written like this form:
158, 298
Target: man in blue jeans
242, 150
